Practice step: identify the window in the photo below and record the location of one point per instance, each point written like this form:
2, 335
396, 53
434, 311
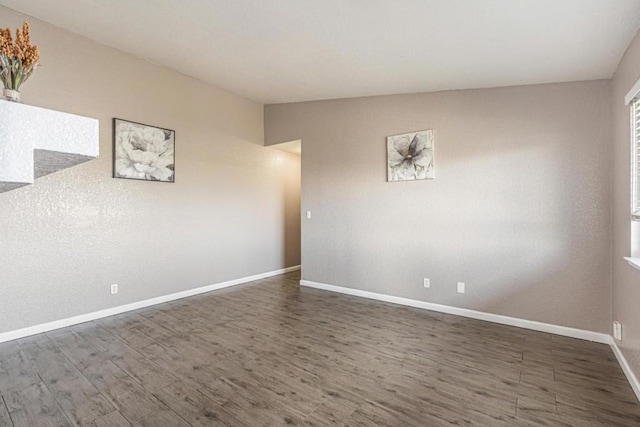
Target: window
633, 101
635, 158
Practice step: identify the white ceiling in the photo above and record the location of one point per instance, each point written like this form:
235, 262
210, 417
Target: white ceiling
295, 50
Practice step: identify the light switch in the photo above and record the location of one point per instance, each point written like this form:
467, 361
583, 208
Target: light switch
617, 330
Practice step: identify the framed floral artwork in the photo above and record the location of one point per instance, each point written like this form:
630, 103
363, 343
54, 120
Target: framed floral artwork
410, 156
143, 152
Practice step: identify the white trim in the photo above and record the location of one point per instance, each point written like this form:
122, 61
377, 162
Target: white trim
631, 377
63, 323
495, 318
633, 93
633, 262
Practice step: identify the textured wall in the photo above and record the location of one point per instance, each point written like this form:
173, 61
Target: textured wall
66, 238
626, 280
519, 209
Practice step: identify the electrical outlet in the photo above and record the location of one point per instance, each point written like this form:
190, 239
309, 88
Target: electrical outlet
114, 289
617, 330
427, 283
461, 287
308, 214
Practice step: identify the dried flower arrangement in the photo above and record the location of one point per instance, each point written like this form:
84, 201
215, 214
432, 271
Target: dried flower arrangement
18, 59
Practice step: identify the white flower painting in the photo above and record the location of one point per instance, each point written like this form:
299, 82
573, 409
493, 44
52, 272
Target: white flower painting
410, 156
143, 152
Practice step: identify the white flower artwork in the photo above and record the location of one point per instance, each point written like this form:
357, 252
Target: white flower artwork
143, 152
410, 156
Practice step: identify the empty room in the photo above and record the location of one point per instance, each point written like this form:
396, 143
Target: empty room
319, 213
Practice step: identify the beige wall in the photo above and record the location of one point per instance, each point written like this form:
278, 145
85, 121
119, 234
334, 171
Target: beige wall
626, 280
64, 240
520, 208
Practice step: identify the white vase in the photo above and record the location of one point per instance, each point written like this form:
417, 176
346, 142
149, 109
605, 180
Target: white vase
11, 95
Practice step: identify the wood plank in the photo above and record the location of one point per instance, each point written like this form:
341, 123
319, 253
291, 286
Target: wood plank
162, 418
196, 406
34, 406
78, 398
16, 372
128, 396
114, 419
272, 353
5, 419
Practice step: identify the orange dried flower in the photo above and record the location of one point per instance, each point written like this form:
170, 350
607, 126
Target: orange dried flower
18, 59
31, 56
7, 42
19, 46
26, 31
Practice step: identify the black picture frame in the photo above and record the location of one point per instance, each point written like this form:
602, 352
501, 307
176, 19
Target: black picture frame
138, 171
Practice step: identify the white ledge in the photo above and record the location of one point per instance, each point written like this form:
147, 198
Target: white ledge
36, 141
633, 262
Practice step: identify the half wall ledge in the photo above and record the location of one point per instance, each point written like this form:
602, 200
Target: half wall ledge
35, 142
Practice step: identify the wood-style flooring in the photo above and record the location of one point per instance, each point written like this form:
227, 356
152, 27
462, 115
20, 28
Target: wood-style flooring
271, 353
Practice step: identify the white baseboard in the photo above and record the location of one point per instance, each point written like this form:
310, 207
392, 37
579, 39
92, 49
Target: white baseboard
631, 377
495, 318
63, 323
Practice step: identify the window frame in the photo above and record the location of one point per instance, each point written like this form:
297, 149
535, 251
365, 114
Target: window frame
632, 101
634, 110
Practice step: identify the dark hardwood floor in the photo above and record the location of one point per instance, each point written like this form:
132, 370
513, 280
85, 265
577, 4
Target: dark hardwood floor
272, 353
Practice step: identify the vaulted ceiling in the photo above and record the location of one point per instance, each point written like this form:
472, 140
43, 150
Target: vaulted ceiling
296, 50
